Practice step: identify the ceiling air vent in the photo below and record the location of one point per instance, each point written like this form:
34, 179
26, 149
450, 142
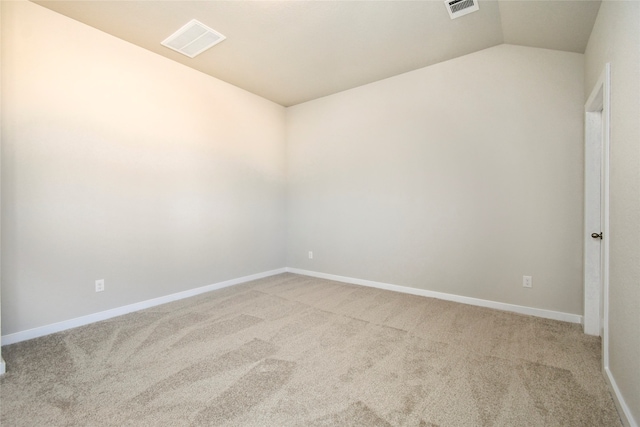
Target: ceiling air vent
458, 8
193, 39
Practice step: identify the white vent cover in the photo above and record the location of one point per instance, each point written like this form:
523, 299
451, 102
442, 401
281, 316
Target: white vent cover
193, 39
458, 8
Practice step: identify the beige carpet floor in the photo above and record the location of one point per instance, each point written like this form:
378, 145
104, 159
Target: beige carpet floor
291, 350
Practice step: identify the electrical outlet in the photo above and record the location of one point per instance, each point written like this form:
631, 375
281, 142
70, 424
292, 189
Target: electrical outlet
100, 285
527, 281
310, 255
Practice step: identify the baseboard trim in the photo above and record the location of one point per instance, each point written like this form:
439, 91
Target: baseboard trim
623, 408
119, 311
538, 312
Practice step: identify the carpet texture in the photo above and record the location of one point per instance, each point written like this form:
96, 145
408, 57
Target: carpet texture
292, 350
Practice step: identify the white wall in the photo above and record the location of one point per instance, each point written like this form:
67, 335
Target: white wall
459, 178
121, 165
616, 39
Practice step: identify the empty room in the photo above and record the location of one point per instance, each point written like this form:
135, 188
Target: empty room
320, 213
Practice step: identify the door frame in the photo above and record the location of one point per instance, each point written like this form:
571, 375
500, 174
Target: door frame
596, 273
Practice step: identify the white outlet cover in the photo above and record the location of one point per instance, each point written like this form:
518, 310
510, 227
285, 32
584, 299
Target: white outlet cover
100, 285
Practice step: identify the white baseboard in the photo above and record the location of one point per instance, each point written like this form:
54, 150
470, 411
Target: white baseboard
538, 312
119, 311
623, 408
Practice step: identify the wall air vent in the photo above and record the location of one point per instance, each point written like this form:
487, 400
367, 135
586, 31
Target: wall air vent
458, 8
193, 39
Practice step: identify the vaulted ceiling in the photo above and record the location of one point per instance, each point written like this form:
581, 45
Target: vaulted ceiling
294, 51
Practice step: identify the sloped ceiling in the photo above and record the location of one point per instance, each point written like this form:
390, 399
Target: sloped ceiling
294, 51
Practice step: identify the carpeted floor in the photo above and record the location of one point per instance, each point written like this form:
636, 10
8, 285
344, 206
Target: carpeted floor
291, 350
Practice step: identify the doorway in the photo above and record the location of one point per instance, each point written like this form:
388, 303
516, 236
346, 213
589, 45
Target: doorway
596, 216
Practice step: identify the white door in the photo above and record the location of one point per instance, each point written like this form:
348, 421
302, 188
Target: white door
596, 217
593, 223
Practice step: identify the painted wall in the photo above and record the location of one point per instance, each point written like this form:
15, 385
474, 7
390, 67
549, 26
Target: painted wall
121, 165
616, 39
459, 178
